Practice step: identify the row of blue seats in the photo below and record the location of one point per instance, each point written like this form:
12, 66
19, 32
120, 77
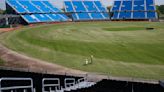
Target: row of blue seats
134, 15
134, 9
133, 5
33, 11
86, 10
32, 6
34, 18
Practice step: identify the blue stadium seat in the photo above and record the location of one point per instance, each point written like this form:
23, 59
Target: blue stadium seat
75, 16
150, 5
115, 9
31, 8
125, 15
34, 18
134, 9
78, 6
126, 6
102, 9
56, 10
16, 6
149, 2
139, 15
97, 16
116, 6
34, 11
83, 16
151, 15
30, 18
41, 6
106, 15
42, 17
51, 6
126, 10
150, 8
86, 10
139, 5
68, 6
57, 17
90, 6
115, 15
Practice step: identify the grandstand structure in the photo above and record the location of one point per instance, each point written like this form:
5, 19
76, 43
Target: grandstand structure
35, 11
86, 10
38, 11
9, 19
134, 9
41, 11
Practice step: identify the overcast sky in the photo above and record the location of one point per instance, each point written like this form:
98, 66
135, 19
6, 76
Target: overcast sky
59, 3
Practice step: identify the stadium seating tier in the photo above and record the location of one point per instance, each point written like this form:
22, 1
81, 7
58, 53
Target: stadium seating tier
134, 9
34, 11
86, 10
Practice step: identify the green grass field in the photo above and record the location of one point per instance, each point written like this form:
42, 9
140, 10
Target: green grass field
119, 48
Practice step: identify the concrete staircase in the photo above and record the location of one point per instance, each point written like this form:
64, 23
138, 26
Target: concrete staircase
79, 85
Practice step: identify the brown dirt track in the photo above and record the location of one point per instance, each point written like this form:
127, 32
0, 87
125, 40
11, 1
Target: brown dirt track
16, 60
6, 29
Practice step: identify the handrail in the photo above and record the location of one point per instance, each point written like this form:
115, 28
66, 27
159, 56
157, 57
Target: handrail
69, 83
17, 87
50, 85
82, 79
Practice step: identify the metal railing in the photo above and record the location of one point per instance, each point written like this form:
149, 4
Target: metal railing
89, 76
56, 84
82, 80
12, 88
69, 82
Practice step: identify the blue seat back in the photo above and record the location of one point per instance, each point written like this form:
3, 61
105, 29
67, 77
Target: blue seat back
134, 9
34, 11
86, 10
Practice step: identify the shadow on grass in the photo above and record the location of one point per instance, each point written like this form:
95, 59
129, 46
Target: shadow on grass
125, 29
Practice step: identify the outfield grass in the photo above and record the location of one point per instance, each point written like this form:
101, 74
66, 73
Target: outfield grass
119, 48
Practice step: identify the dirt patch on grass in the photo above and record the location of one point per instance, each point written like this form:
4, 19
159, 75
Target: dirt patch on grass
6, 29
16, 60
